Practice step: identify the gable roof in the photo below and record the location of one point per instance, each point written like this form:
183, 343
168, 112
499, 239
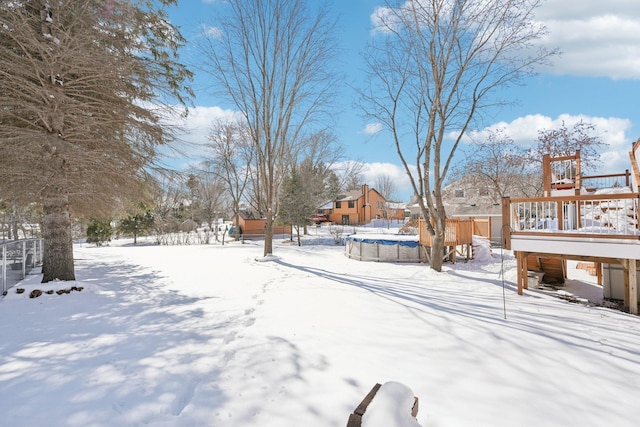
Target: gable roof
349, 195
250, 214
355, 194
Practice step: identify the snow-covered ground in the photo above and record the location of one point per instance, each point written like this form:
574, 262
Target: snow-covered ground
218, 336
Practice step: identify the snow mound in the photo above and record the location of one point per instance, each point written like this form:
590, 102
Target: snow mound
391, 407
481, 249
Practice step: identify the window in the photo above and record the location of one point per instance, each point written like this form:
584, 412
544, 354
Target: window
483, 192
459, 193
338, 205
352, 204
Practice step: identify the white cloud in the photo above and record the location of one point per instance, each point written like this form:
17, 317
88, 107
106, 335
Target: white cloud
597, 38
381, 19
210, 31
193, 135
605, 45
372, 128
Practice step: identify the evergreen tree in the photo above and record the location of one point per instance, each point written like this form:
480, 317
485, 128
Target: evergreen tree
99, 232
84, 88
296, 202
138, 224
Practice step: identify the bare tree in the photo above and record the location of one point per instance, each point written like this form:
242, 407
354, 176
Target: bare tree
387, 188
506, 169
498, 165
566, 140
80, 88
349, 174
233, 155
167, 195
213, 198
272, 59
433, 67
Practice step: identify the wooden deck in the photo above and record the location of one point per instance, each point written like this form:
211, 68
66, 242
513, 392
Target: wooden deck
576, 223
458, 235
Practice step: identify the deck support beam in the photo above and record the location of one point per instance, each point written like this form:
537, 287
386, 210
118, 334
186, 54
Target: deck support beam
633, 287
522, 268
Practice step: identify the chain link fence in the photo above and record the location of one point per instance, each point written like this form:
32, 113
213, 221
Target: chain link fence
18, 258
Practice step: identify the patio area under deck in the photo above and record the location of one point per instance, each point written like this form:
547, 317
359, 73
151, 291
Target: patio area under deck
584, 218
594, 228
623, 250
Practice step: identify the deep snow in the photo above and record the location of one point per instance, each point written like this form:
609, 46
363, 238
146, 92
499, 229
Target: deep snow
209, 336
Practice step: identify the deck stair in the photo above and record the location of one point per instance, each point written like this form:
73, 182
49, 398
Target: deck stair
589, 267
554, 270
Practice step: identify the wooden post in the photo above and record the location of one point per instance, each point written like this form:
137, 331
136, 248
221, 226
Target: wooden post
355, 419
626, 274
506, 223
525, 270
578, 216
576, 180
627, 176
546, 175
633, 287
560, 215
598, 266
519, 271
522, 270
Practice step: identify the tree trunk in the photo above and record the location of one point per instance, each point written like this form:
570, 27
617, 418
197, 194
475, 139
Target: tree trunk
437, 250
13, 228
268, 235
58, 242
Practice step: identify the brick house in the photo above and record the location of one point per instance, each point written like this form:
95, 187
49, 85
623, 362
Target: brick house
356, 207
251, 223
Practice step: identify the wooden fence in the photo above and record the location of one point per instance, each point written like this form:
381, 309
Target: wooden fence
458, 232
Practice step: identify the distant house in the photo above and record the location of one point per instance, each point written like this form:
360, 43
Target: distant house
396, 211
356, 207
468, 198
252, 223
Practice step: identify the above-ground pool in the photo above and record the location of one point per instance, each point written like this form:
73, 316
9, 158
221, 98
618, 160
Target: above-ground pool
383, 247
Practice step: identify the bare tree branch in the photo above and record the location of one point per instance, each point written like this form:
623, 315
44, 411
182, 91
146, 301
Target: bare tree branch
434, 67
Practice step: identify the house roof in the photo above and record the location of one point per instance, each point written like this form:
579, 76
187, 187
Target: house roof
473, 209
397, 205
350, 195
250, 214
355, 194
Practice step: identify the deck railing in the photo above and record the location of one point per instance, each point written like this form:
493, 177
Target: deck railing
614, 180
457, 232
561, 173
604, 215
565, 173
634, 154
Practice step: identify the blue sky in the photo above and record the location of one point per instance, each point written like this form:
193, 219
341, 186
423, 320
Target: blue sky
596, 79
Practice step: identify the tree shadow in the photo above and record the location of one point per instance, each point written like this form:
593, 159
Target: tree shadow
124, 351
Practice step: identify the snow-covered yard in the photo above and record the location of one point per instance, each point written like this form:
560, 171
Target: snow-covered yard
217, 336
